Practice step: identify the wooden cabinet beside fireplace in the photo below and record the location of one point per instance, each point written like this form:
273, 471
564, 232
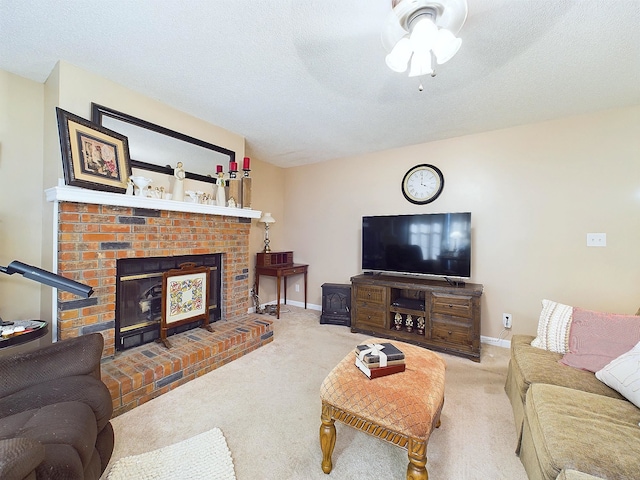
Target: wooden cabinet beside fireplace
426, 312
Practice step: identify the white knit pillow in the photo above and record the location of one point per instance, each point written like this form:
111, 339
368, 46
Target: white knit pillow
553, 327
623, 375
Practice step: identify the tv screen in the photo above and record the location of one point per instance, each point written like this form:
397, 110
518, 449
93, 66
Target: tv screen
427, 244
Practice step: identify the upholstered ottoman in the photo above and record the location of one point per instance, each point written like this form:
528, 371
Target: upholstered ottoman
402, 408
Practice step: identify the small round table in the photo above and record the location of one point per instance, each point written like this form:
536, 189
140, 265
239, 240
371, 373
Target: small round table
33, 329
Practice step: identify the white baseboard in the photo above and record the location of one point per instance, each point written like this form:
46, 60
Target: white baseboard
498, 342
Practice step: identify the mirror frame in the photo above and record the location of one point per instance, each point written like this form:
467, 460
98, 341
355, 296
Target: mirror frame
100, 111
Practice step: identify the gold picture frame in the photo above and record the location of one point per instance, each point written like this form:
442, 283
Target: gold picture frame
185, 298
93, 157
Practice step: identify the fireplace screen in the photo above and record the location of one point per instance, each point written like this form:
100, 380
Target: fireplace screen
139, 296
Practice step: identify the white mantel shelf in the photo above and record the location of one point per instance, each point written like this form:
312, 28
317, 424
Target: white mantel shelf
66, 193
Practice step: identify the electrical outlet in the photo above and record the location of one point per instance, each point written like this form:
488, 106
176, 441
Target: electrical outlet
596, 239
507, 319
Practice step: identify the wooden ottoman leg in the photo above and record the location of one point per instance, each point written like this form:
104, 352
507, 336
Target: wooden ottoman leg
327, 438
416, 470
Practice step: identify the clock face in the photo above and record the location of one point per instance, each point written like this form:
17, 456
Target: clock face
422, 184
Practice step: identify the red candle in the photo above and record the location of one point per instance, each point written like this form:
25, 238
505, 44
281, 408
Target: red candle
245, 165
219, 169
233, 166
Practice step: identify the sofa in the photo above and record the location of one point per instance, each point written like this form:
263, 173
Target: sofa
570, 424
55, 412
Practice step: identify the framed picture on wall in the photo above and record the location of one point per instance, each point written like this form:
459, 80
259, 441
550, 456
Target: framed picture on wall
93, 156
185, 298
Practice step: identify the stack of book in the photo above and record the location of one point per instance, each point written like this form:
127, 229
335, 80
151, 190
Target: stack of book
379, 359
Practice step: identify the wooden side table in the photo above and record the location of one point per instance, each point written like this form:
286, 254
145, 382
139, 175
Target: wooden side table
280, 271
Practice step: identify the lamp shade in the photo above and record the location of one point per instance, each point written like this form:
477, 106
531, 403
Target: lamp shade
267, 218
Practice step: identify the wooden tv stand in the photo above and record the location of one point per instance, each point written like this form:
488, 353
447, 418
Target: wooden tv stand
430, 313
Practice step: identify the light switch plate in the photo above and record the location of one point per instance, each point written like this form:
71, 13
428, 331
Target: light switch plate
596, 239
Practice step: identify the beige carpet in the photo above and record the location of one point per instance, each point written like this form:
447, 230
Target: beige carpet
267, 404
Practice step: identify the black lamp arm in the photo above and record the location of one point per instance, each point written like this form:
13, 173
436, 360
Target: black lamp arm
47, 278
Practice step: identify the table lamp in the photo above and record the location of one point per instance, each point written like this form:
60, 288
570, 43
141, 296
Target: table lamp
266, 219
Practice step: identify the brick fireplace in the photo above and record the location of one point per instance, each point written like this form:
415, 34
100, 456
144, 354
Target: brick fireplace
95, 229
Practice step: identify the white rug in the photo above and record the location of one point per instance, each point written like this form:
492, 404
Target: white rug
205, 456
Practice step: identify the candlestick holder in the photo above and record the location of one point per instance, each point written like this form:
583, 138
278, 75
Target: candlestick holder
235, 186
246, 189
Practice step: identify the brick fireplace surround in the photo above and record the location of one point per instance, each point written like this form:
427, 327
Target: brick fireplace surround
91, 237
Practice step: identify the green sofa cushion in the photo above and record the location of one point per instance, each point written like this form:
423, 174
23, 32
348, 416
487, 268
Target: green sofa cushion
583, 431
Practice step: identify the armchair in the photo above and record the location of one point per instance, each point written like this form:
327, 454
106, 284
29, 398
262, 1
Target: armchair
55, 412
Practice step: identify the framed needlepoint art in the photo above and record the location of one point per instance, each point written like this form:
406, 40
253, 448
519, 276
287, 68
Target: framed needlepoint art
185, 298
93, 156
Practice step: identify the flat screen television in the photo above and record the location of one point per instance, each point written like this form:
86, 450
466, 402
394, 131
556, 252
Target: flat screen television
427, 244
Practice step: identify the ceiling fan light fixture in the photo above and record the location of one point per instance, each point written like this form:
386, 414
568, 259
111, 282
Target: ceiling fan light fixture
427, 28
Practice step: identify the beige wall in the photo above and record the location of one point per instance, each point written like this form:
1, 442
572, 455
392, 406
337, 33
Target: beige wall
534, 191
21, 193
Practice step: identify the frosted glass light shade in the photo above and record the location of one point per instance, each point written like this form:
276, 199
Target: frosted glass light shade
423, 35
398, 59
267, 218
446, 46
421, 64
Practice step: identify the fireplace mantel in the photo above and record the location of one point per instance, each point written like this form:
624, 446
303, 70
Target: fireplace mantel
66, 193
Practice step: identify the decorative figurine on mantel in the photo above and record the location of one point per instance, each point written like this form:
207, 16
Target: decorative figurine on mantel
178, 184
221, 200
129, 187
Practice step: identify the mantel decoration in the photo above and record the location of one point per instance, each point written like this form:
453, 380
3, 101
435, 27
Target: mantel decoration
93, 157
419, 32
246, 183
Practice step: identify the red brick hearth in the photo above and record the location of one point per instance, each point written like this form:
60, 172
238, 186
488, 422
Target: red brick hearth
91, 237
145, 372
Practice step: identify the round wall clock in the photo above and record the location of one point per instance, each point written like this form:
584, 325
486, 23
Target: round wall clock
422, 184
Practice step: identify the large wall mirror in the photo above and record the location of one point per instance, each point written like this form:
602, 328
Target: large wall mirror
159, 149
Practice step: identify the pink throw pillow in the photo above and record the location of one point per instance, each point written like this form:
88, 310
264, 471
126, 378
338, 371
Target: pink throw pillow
597, 338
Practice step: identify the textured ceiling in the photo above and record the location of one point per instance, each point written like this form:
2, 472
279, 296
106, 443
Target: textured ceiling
305, 80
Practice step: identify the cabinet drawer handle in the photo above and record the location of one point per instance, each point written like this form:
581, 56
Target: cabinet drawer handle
450, 306
449, 332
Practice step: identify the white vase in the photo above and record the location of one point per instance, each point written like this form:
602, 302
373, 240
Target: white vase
141, 184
